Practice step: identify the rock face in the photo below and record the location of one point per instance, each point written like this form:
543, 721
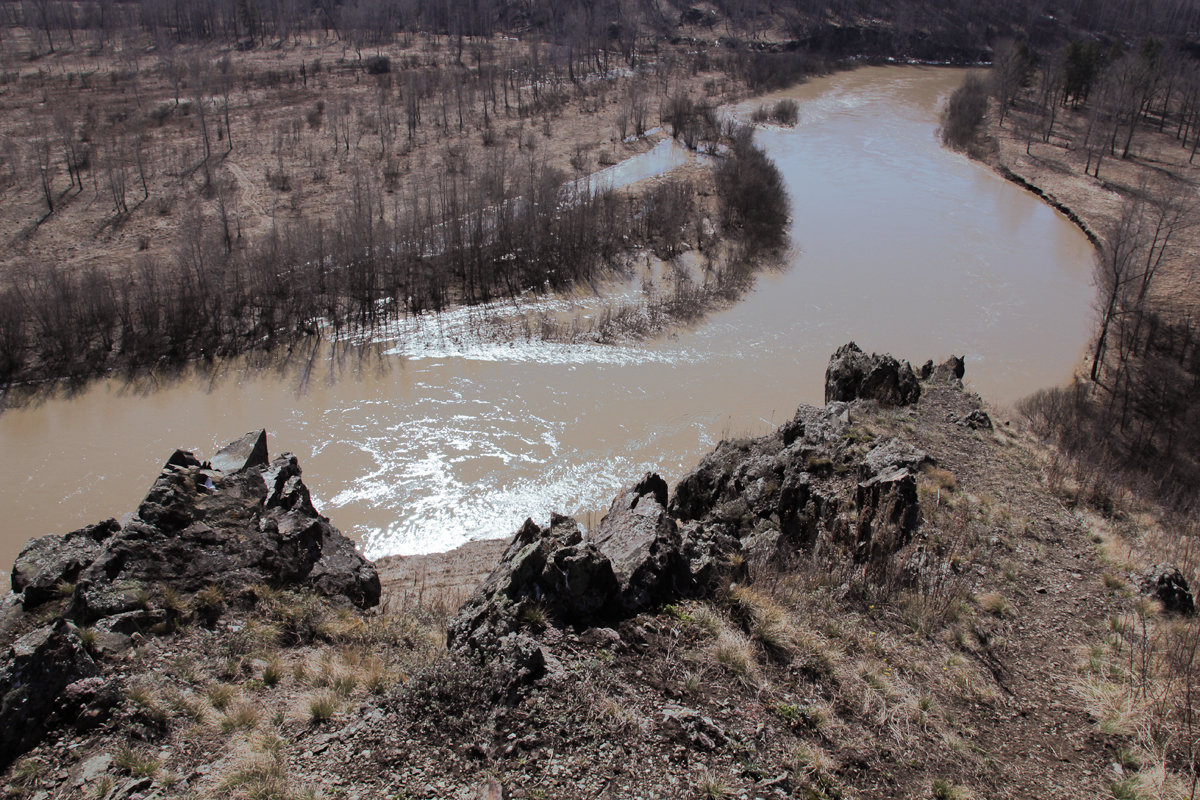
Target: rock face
198, 527
852, 375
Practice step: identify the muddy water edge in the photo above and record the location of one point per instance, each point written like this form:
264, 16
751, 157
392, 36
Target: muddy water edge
435, 436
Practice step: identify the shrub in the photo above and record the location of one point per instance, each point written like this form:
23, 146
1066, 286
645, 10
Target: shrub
786, 112
378, 65
964, 112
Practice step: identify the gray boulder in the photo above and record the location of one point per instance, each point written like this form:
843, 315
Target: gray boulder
48, 562
37, 668
852, 375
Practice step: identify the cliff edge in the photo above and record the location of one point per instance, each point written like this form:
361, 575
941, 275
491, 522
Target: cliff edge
878, 599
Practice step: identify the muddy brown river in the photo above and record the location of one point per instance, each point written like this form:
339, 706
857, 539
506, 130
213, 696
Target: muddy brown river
447, 436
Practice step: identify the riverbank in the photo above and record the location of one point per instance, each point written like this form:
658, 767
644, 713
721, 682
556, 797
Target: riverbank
1055, 170
431, 437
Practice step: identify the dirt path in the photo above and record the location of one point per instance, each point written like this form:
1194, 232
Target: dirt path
1037, 733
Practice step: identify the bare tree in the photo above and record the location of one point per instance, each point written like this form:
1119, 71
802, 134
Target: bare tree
1117, 273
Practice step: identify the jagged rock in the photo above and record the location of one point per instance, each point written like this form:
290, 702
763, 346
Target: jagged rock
1166, 584
285, 489
182, 458
706, 552
978, 420
199, 527
642, 542
949, 372
545, 575
37, 668
87, 702
244, 453
690, 726
555, 576
889, 512
47, 562
852, 375
11, 614
891, 455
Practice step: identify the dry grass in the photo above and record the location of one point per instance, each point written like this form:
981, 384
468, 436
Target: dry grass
734, 651
190, 706
321, 706
995, 604
135, 761
241, 716
220, 695
261, 774
710, 787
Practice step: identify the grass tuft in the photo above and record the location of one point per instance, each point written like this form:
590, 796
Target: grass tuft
221, 695
241, 716
709, 787
135, 762
322, 706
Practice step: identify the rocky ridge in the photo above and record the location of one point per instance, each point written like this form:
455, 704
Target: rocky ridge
749, 506
874, 600
215, 528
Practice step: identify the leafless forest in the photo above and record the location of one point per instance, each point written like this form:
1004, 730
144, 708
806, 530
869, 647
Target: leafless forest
190, 180
1128, 118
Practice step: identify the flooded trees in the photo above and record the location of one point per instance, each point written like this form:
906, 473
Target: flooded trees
752, 197
964, 112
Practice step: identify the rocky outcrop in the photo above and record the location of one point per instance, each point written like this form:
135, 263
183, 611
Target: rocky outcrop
750, 504
199, 528
853, 375
546, 576
37, 669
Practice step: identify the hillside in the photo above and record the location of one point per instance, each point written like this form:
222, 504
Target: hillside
882, 598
